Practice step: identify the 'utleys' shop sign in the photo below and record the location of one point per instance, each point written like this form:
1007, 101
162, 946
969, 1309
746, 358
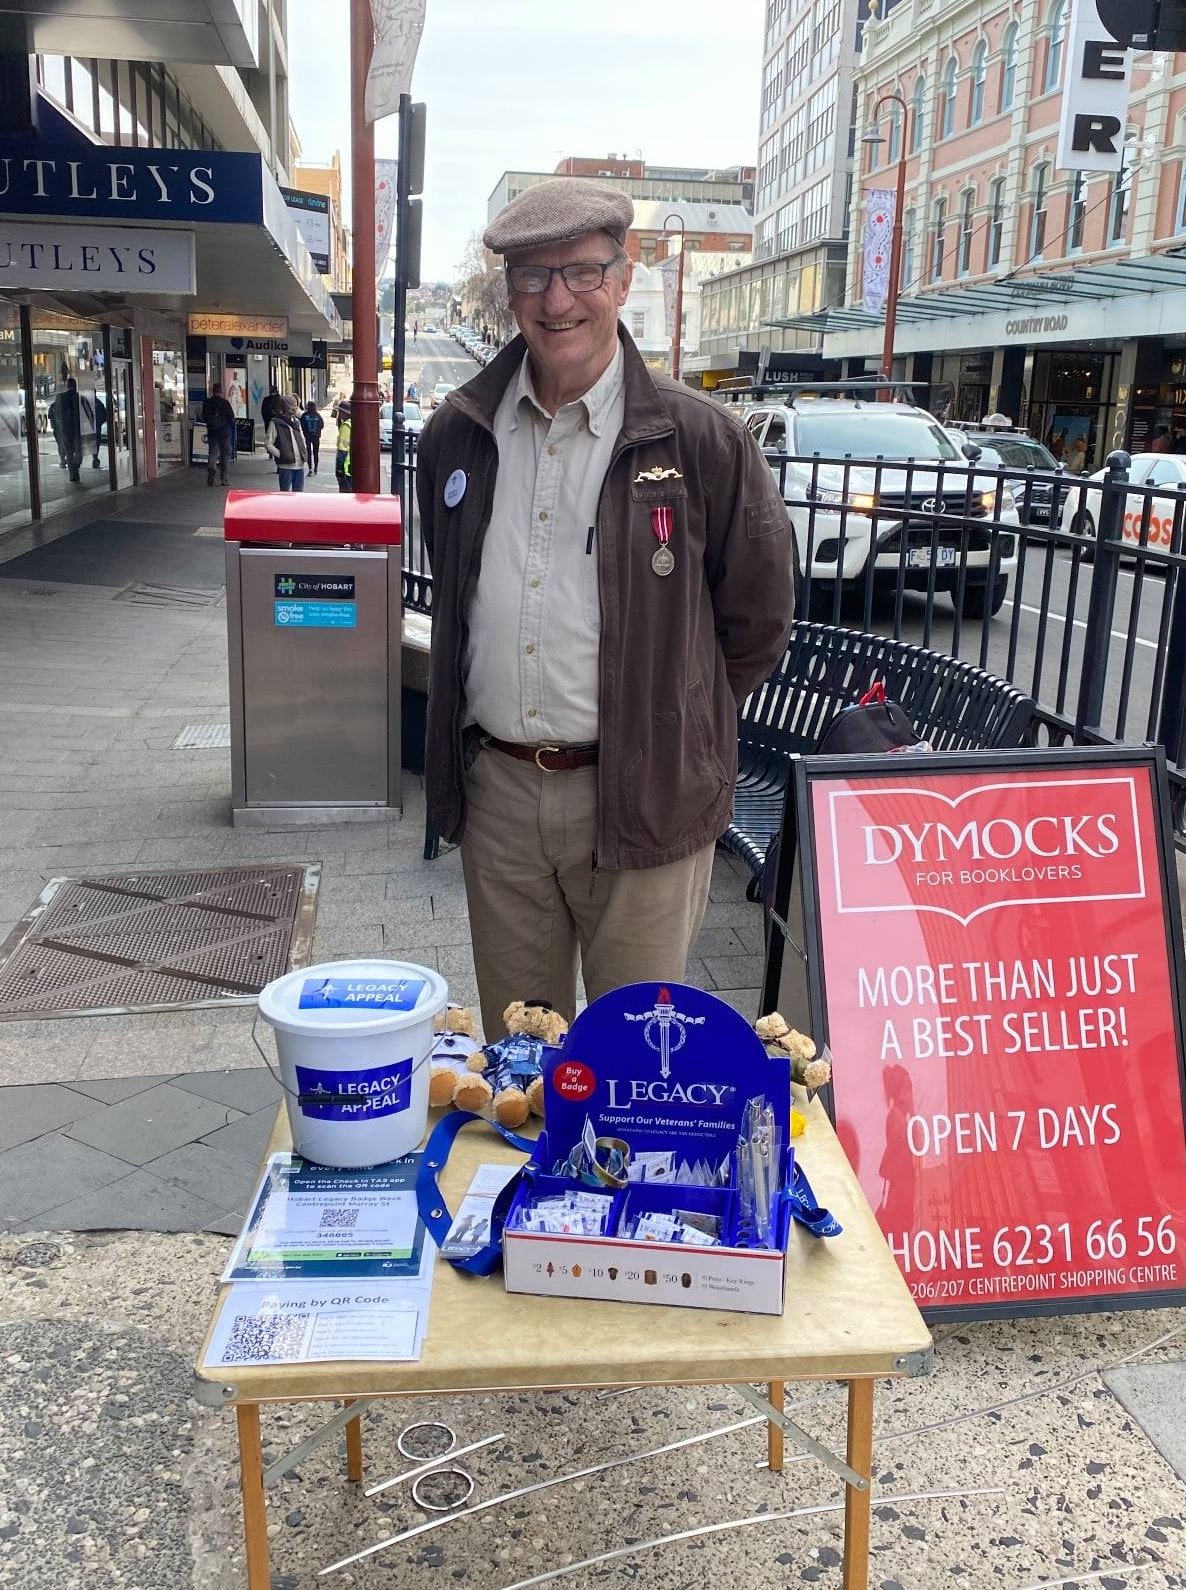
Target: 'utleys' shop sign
996, 960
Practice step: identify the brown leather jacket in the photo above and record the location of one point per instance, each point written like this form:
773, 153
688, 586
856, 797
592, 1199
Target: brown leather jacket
678, 655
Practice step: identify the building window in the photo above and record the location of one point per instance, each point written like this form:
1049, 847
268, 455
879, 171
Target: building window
967, 227
1009, 67
1118, 200
1180, 220
947, 99
1038, 211
939, 242
909, 222
979, 79
1055, 45
918, 114
1077, 215
638, 322
996, 225
895, 134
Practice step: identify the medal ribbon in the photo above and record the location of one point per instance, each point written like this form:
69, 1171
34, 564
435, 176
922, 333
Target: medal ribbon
663, 523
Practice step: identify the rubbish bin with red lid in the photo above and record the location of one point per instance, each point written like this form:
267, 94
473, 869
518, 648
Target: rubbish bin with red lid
313, 630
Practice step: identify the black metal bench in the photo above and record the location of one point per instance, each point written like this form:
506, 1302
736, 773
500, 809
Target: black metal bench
953, 704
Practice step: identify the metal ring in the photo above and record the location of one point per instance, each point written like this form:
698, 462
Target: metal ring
546, 750
446, 1507
425, 1457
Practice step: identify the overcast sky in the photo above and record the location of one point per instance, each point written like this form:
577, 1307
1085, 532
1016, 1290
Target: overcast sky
518, 84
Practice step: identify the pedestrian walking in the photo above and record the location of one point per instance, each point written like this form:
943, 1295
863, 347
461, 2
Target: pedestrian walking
269, 407
612, 576
285, 443
65, 420
312, 425
219, 419
342, 470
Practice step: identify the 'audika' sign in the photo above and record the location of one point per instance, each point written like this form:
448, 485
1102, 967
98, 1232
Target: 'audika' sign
995, 956
1095, 94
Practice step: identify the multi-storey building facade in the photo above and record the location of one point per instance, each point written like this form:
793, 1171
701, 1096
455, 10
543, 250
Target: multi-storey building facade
1056, 296
662, 184
801, 194
145, 244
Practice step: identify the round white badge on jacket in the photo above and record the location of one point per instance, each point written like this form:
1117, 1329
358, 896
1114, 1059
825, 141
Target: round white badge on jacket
455, 488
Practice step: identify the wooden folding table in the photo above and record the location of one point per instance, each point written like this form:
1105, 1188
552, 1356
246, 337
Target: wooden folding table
848, 1317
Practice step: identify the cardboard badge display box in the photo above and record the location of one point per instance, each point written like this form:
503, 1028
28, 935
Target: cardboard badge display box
662, 1075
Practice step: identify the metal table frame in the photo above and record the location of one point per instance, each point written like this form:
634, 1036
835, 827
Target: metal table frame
868, 1329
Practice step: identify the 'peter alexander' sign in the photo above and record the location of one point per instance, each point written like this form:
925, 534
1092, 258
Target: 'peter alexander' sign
996, 958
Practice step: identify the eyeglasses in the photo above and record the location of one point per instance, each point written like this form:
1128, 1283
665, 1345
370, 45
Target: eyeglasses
585, 276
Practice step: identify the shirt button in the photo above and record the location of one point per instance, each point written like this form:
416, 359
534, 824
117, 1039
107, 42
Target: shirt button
543, 516
535, 585
552, 450
531, 712
529, 648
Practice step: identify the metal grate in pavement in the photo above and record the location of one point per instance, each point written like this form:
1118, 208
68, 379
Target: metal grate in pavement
146, 593
157, 940
202, 737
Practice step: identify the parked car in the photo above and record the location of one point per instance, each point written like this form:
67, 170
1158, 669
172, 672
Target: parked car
1167, 471
440, 392
430, 331
413, 422
1039, 497
922, 487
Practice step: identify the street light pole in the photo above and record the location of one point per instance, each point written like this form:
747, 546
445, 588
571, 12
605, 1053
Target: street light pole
364, 399
678, 332
873, 138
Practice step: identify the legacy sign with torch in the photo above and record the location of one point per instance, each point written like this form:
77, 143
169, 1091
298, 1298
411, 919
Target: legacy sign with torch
995, 952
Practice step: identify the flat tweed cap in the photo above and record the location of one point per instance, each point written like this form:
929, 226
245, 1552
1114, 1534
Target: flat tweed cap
556, 212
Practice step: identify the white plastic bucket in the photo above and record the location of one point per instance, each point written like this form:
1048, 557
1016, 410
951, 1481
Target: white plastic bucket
353, 1039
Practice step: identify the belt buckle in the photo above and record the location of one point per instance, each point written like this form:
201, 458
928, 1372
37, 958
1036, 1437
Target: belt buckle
546, 750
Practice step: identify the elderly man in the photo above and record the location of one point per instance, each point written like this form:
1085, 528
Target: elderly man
612, 575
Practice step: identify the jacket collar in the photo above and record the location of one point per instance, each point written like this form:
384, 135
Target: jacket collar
645, 413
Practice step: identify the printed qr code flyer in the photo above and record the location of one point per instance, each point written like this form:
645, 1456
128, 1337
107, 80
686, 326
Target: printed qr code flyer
262, 1323
998, 970
308, 1221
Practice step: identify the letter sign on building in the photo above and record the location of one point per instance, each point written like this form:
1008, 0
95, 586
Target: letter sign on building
1095, 94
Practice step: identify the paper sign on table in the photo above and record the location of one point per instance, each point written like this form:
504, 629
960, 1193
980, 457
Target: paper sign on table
261, 1323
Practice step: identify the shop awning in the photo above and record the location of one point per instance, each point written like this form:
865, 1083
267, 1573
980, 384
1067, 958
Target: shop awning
216, 32
251, 258
1044, 290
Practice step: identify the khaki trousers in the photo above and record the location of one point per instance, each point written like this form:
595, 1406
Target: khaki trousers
527, 857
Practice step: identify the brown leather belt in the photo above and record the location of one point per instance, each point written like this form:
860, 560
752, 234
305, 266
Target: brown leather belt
549, 758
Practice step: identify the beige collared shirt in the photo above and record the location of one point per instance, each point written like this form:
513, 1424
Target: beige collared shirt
531, 663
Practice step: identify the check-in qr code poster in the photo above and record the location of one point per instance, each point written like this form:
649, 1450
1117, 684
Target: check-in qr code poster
262, 1324
310, 1222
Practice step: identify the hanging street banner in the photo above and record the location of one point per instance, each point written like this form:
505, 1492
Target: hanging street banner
386, 172
879, 233
995, 959
398, 26
669, 271
1096, 79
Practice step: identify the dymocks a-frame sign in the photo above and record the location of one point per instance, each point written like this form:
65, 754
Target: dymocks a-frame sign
995, 957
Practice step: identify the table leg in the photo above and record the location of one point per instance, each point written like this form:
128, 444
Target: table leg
856, 1503
255, 1508
354, 1446
774, 1435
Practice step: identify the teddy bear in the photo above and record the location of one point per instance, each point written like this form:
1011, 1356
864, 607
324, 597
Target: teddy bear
505, 1078
807, 1068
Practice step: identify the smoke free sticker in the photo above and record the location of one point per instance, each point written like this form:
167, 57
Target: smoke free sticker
355, 1095
917, 849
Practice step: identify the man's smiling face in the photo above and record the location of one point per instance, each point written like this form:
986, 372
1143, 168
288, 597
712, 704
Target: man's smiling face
572, 336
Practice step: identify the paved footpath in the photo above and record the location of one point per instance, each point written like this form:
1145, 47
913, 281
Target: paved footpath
128, 1144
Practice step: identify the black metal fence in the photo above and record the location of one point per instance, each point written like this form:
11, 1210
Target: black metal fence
1073, 589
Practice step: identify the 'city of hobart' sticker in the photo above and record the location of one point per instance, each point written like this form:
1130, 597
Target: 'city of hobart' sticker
1015, 842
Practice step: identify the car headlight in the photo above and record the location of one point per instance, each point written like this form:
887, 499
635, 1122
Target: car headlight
1002, 501
863, 502
831, 498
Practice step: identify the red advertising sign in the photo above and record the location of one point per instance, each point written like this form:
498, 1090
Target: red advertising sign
996, 958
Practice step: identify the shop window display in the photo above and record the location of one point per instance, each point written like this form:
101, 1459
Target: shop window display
14, 471
168, 380
72, 447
